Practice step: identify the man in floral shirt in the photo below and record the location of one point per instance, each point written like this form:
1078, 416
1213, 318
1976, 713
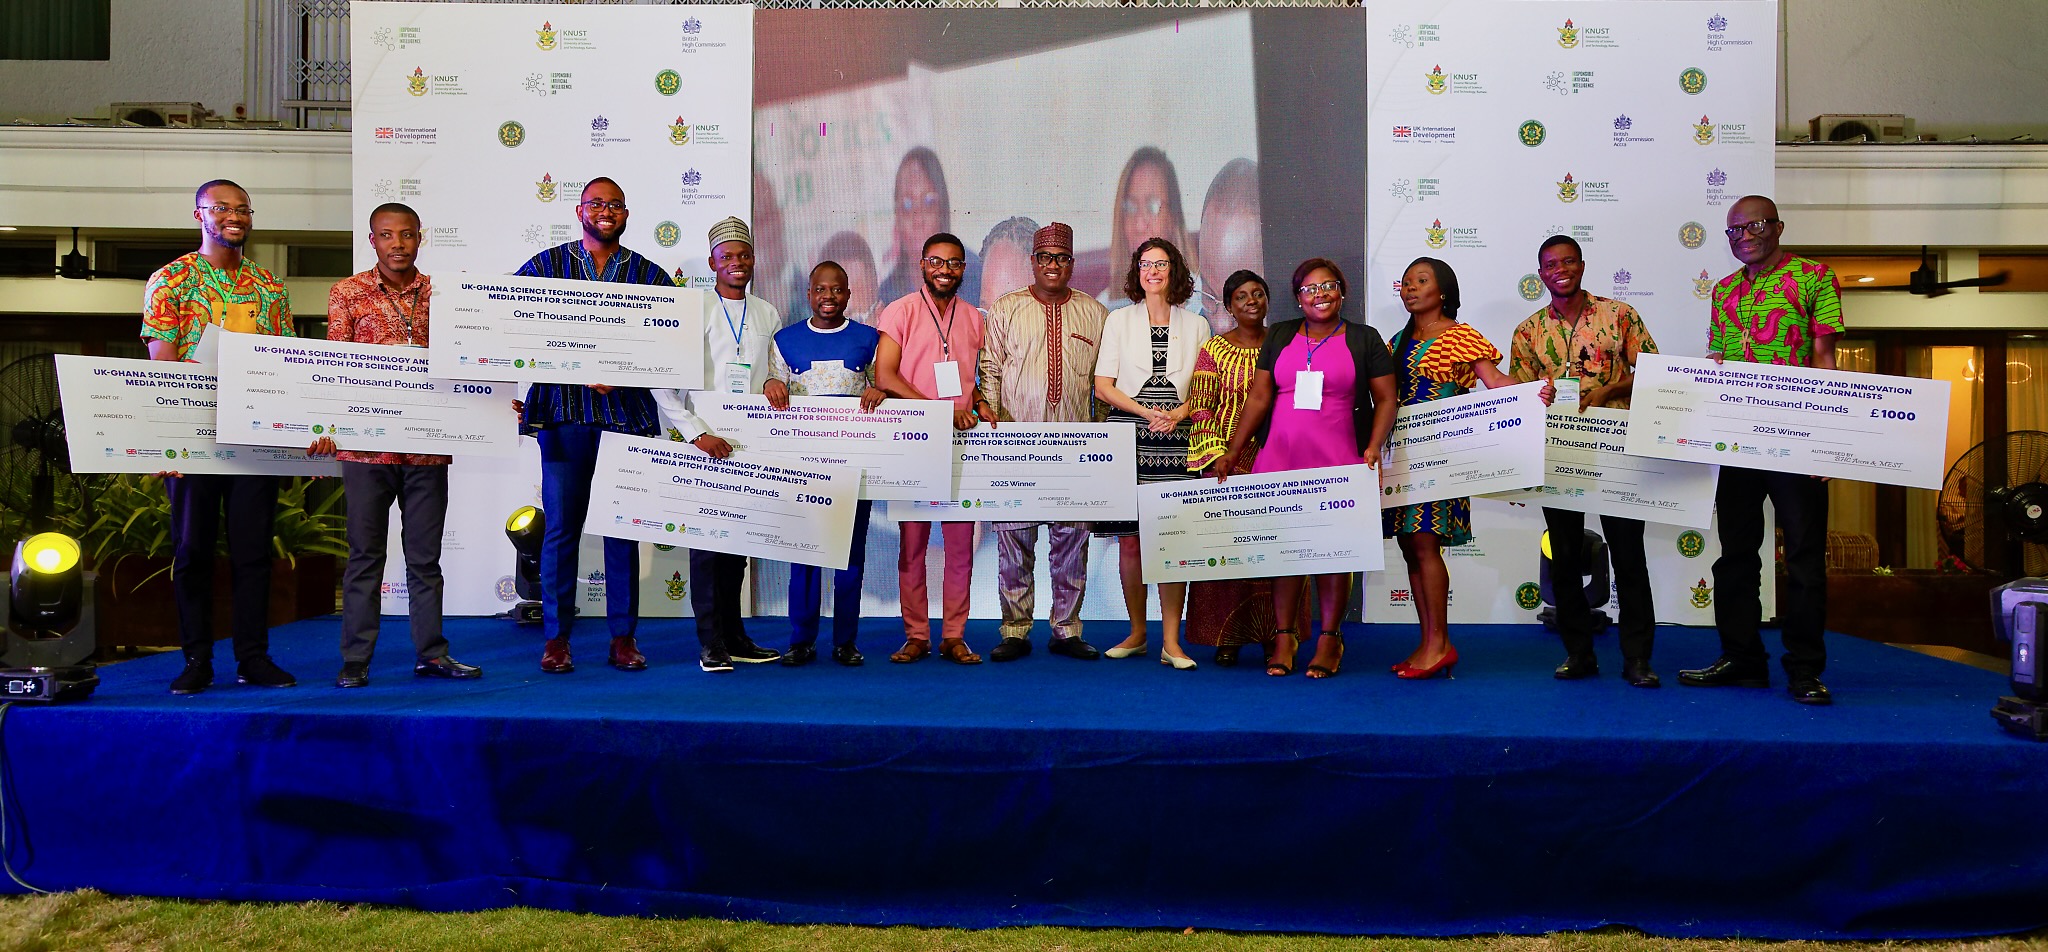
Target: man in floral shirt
1787, 310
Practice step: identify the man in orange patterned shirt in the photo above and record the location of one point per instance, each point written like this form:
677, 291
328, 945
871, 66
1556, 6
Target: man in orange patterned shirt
388, 305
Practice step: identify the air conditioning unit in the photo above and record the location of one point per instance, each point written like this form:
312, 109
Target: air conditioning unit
1868, 127
179, 115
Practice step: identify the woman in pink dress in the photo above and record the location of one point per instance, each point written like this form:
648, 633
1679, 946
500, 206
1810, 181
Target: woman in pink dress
1323, 395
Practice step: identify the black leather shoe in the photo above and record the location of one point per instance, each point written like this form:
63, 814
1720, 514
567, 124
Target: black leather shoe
354, 674
1577, 669
714, 660
849, 656
743, 650
1074, 647
1226, 655
1638, 674
1726, 674
446, 667
264, 673
1010, 649
799, 655
1810, 691
197, 677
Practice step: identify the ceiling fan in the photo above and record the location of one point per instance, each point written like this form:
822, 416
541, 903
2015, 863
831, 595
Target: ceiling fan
1923, 280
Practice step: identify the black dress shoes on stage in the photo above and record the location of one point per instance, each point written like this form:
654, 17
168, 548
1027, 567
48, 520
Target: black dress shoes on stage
799, 655
1074, 647
1638, 674
445, 667
848, 656
1810, 691
714, 659
1724, 673
197, 677
354, 674
744, 651
1577, 669
1010, 649
264, 673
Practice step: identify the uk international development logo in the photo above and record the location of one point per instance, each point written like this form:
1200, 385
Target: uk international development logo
386, 133
1404, 132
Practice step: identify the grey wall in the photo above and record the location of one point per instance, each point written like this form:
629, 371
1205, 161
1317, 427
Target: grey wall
162, 51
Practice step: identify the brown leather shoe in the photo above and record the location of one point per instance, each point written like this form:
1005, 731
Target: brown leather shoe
912, 650
956, 651
554, 659
626, 655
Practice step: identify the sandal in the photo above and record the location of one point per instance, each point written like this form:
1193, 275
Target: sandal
913, 650
956, 651
1319, 672
1279, 663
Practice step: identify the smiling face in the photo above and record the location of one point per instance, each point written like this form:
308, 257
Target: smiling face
1561, 269
1321, 295
228, 228
732, 263
829, 293
1052, 267
1753, 249
602, 210
1248, 304
1155, 269
943, 264
1420, 293
395, 237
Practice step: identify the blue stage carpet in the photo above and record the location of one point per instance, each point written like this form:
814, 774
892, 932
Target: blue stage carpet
1115, 793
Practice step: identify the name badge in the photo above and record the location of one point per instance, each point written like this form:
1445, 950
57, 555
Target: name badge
946, 376
1567, 392
829, 366
1308, 390
738, 376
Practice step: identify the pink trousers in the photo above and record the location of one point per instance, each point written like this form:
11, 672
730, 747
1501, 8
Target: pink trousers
910, 569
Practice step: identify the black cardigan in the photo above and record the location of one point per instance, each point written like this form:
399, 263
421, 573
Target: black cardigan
1369, 358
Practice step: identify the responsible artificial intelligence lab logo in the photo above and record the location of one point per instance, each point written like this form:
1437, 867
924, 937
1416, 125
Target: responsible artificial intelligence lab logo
512, 135
668, 82
1411, 35
1693, 80
667, 234
1692, 235
545, 36
1531, 133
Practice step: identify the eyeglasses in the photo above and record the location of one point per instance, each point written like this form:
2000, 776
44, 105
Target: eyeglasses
1155, 265
601, 206
1756, 228
909, 203
949, 264
1150, 207
242, 210
1047, 257
1319, 287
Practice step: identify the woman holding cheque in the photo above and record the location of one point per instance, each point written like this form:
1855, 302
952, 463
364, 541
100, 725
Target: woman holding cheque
1312, 408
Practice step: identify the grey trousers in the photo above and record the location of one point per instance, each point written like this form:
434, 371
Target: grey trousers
422, 495
1016, 565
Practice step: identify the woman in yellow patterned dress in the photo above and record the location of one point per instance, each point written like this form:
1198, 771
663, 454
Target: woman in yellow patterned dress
1435, 357
1228, 613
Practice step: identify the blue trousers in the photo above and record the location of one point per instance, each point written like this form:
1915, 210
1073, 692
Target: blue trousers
568, 458
805, 582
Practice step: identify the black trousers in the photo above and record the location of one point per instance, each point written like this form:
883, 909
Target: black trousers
197, 503
1575, 621
1801, 503
715, 581
422, 496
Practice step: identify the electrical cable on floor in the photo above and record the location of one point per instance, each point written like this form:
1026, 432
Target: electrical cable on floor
6, 780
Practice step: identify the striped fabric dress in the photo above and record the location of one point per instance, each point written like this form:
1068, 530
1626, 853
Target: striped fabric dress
1434, 369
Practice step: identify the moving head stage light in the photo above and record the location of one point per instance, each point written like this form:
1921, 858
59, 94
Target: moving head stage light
51, 635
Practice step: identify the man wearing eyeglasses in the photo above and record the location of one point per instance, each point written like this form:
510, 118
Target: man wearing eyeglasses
216, 285
568, 420
1587, 345
1778, 309
1038, 366
930, 350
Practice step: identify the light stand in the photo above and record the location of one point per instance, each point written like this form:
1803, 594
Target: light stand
51, 631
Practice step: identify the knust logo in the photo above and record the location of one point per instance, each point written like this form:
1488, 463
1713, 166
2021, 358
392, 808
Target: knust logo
1692, 234
692, 27
545, 188
1702, 288
1436, 81
1567, 35
545, 36
1434, 234
600, 124
679, 132
1531, 133
691, 178
1703, 131
1530, 287
667, 234
676, 587
416, 84
1702, 595
1717, 178
1717, 24
511, 134
1693, 79
668, 82
1567, 190
1623, 123
1528, 595
1691, 544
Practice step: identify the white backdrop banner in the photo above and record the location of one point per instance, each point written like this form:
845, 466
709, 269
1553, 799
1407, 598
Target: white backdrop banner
489, 119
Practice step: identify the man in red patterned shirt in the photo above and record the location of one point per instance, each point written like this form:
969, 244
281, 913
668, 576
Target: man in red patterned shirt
388, 305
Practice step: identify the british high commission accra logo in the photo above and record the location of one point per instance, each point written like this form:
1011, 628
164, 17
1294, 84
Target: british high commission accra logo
1567, 190
511, 134
1692, 234
1531, 133
545, 36
1567, 35
668, 82
1693, 80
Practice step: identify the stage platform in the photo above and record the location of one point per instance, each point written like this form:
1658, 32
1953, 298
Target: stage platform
1048, 790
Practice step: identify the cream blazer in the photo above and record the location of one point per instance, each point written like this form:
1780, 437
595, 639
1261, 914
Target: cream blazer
1127, 348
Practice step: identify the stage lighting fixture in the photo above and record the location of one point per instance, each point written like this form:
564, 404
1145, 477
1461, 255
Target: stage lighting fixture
51, 634
1596, 580
525, 528
2019, 613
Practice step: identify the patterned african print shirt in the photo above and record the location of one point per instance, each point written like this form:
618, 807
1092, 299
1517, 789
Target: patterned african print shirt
1216, 397
1440, 366
362, 310
1600, 348
1776, 318
628, 410
1038, 358
189, 293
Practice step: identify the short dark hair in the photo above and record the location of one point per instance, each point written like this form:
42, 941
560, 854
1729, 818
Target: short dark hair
200, 194
393, 208
600, 179
943, 238
1446, 282
1238, 279
1180, 282
1302, 271
827, 263
1555, 240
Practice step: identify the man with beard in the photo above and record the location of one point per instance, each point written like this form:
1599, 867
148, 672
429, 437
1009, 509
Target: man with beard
1038, 366
739, 347
931, 344
1587, 345
216, 285
1778, 309
568, 420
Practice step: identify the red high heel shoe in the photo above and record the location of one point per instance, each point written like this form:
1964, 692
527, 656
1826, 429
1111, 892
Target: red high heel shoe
1442, 666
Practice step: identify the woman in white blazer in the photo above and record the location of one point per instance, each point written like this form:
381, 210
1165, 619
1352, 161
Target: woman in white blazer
1142, 371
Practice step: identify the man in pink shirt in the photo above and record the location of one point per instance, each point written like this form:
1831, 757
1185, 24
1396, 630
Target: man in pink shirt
931, 344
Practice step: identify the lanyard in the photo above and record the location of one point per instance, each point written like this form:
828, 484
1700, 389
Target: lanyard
1316, 345
739, 350
946, 332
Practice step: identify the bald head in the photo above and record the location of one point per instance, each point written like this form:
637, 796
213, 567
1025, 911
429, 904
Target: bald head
1753, 231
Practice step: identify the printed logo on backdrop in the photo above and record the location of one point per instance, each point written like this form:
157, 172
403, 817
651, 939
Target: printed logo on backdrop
693, 190
1572, 36
1530, 287
676, 587
1692, 235
545, 188
667, 234
1717, 191
544, 236
547, 38
450, 237
1691, 543
1567, 35
1624, 133
1703, 131
1461, 84
689, 281
1717, 35
1569, 191
668, 82
1702, 595
1435, 135
1531, 133
1703, 288
1416, 190
392, 40
396, 190
508, 591
1411, 35
511, 134
1622, 289
1727, 133
679, 132
548, 84
1693, 80
1436, 235
1528, 596
407, 135
1566, 84
694, 38
600, 134
438, 84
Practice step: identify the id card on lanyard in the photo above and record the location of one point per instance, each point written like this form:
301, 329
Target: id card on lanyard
1308, 382
946, 371
737, 375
